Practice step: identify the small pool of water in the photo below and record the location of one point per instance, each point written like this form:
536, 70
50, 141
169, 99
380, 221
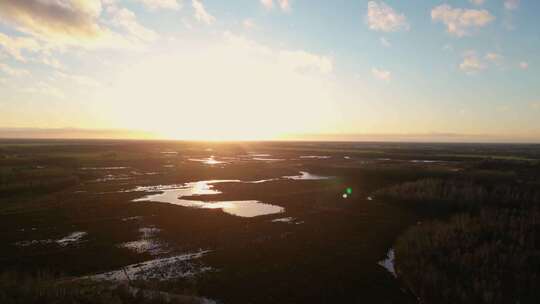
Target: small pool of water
208, 161
175, 194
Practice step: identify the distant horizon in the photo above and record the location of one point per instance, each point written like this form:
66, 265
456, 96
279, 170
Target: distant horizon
124, 134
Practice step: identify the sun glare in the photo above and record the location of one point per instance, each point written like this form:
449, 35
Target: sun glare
229, 89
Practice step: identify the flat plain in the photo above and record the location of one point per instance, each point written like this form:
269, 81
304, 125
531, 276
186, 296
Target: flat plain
239, 222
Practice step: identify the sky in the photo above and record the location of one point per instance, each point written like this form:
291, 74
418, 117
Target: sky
436, 70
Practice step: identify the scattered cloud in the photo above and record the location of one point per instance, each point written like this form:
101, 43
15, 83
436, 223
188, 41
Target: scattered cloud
524, 65
495, 58
284, 5
61, 24
45, 89
381, 74
162, 4
304, 62
471, 63
381, 17
59, 20
249, 24
511, 4
477, 2
50, 61
269, 4
385, 42
126, 20
461, 22
16, 45
201, 14
80, 80
13, 72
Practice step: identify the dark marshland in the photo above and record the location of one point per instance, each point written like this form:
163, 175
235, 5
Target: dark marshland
270, 222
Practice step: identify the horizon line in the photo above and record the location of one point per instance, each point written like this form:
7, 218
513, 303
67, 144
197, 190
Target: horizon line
10, 133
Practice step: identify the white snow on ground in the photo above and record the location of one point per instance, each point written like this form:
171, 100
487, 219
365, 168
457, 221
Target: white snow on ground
306, 176
132, 218
268, 159
112, 177
147, 243
158, 269
33, 242
150, 246
388, 263
149, 232
70, 239
74, 237
283, 220
104, 168
315, 157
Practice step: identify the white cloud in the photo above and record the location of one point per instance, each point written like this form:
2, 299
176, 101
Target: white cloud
304, 62
471, 63
477, 2
16, 45
524, 65
460, 22
50, 61
385, 42
45, 89
61, 19
511, 4
80, 80
285, 5
127, 20
249, 24
268, 4
62, 24
28, 49
162, 4
494, 57
13, 72
201, 14
381, 17
381, 74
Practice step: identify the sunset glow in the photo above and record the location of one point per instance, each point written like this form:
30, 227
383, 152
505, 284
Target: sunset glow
250, 69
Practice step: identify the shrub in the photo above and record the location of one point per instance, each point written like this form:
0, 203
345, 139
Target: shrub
490, 258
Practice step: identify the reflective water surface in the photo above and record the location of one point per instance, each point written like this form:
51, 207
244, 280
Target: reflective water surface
175, 194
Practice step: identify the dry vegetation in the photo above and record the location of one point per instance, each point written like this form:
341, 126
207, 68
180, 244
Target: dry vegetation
487, 252
490, 258
16, 288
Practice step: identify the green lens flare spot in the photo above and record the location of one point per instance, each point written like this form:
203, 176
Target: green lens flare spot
349, 191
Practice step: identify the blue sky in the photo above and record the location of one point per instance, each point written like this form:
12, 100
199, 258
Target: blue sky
206, 69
